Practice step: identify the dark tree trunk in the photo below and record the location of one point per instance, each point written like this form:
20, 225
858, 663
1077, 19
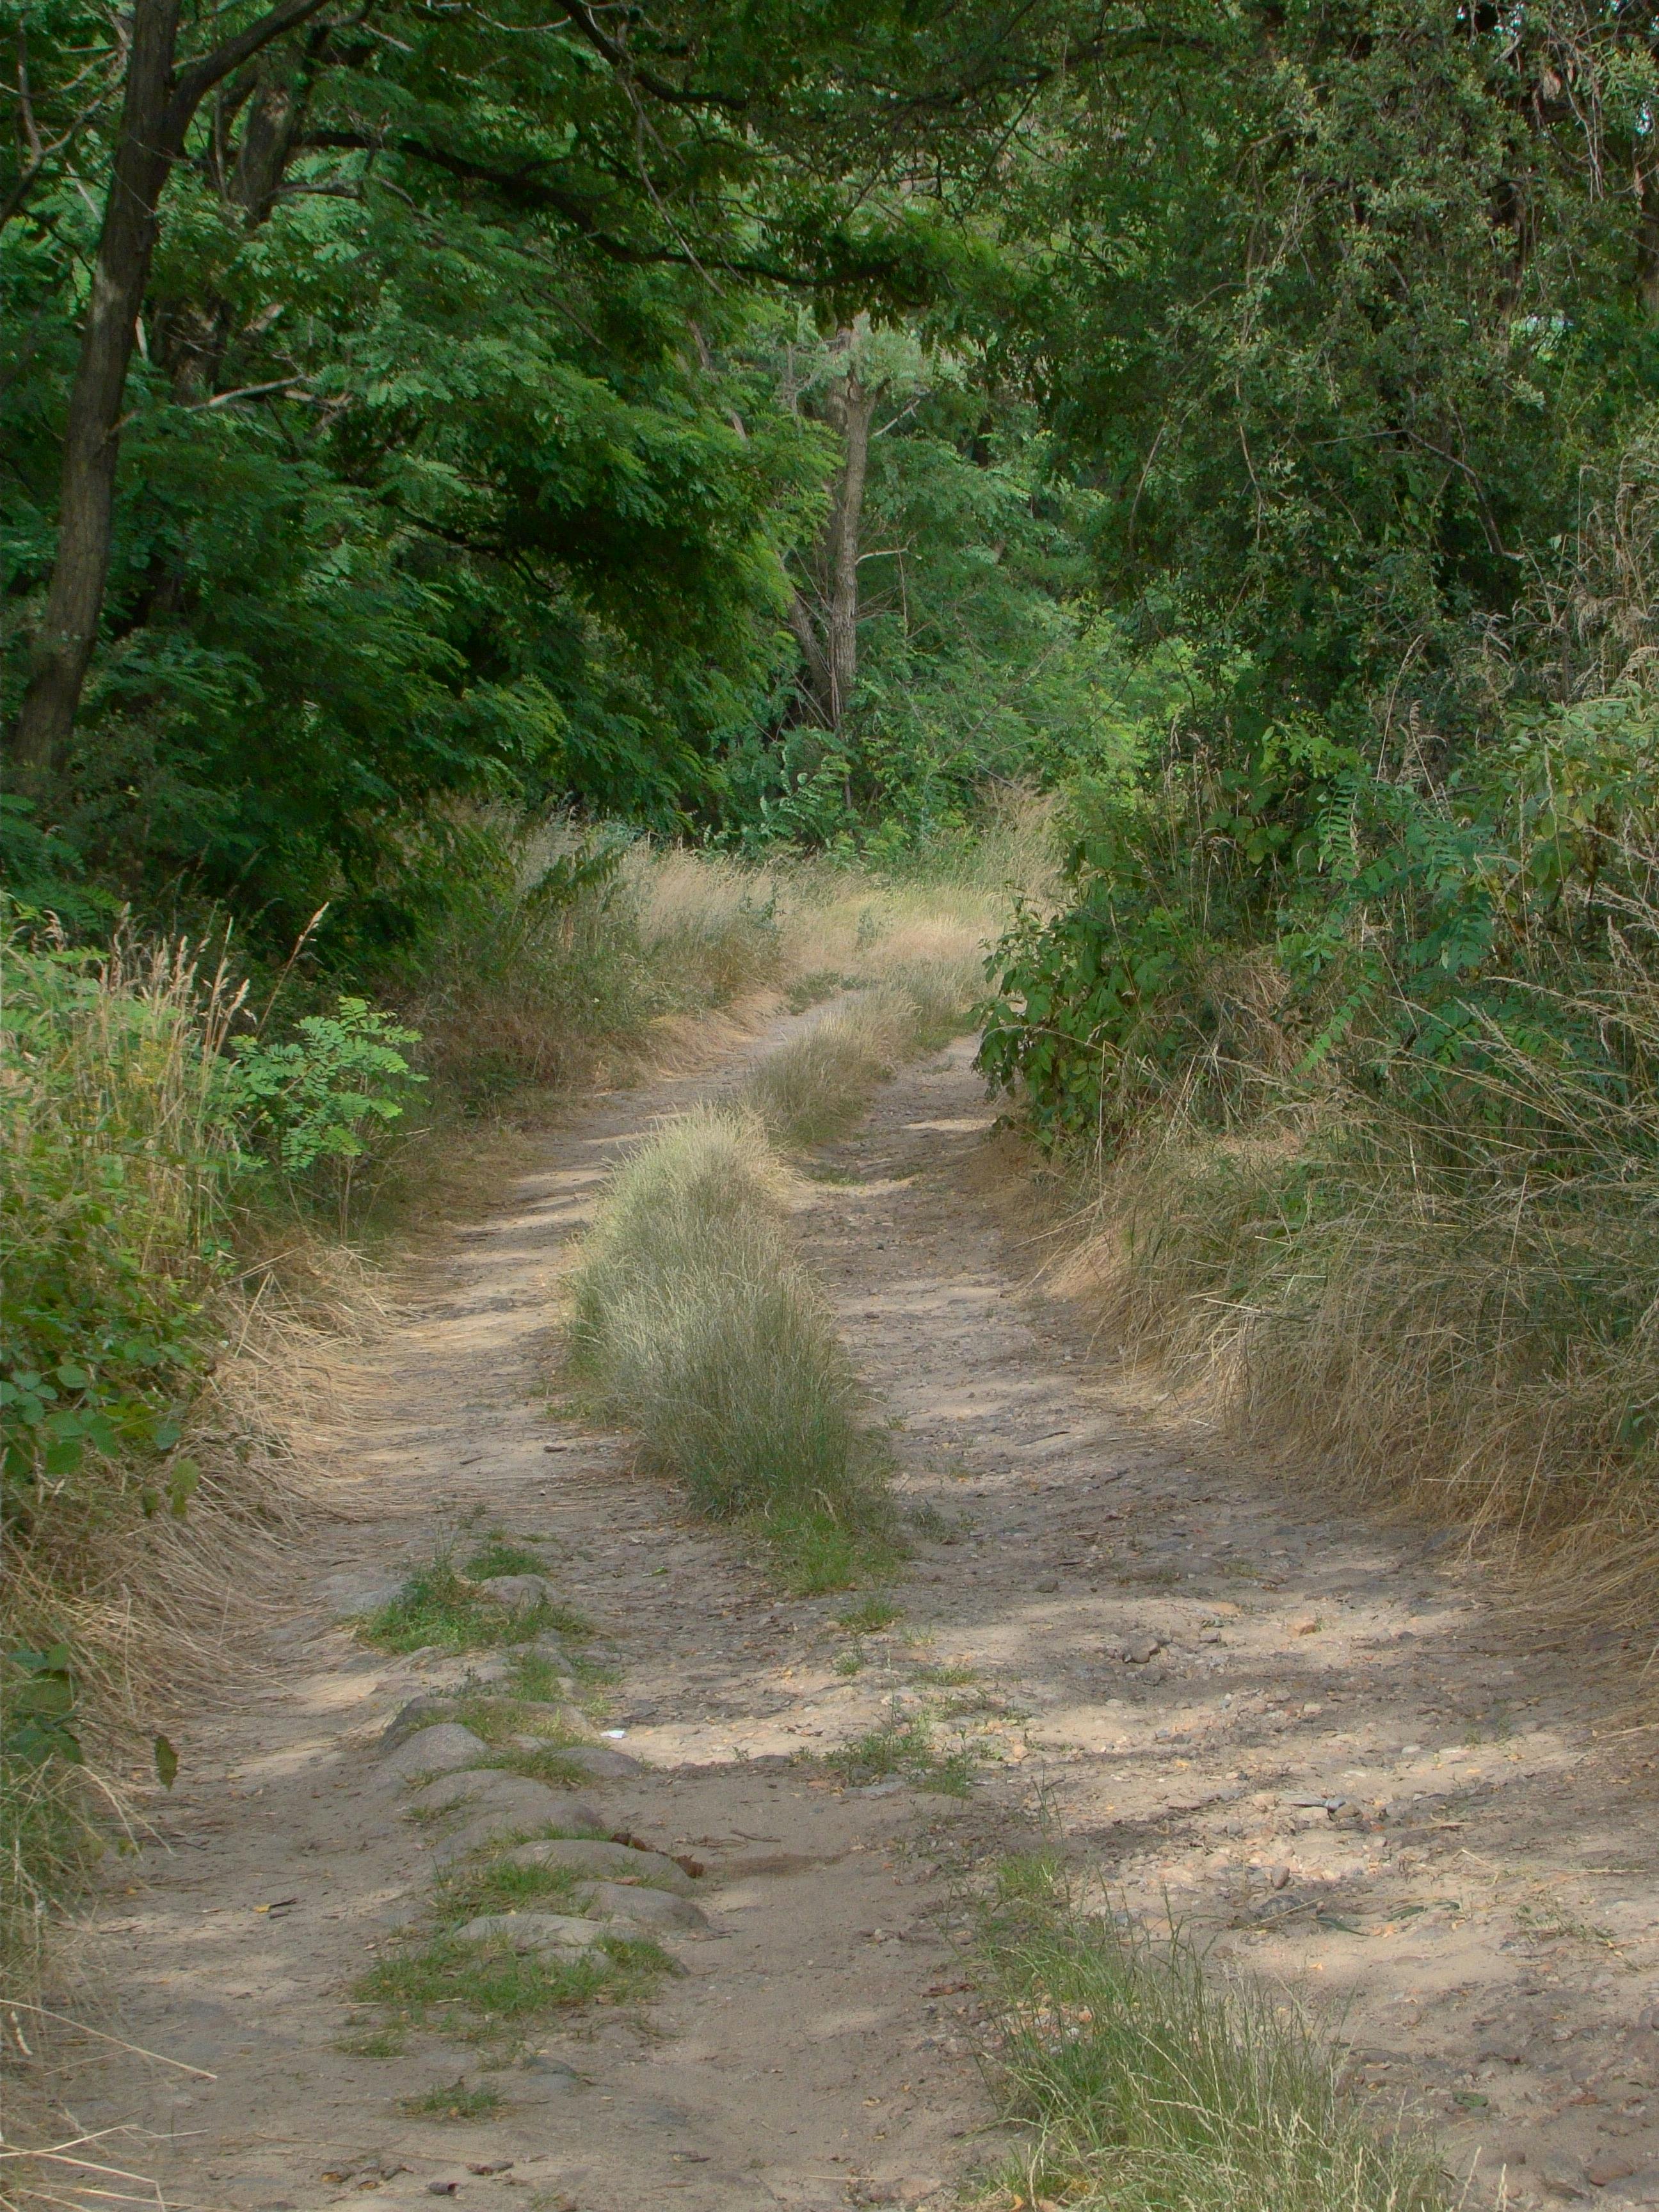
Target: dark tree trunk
159, 101
853, 409
826, 628
1647, 241
145, 150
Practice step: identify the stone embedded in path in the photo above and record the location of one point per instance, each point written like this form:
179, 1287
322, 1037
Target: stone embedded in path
438, 1750
532, 1931
358, 1590
500, 1806
419, 1713
515, 1590
550, 1652
541, 2076
604, 1860
645, 1908
599, 1760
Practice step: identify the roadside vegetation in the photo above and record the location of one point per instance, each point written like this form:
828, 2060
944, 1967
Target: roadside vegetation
1143, 2080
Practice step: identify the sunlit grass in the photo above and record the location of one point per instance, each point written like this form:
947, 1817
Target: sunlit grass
1148, 2083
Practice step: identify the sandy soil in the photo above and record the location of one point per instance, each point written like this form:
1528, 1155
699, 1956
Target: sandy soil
1324, 1744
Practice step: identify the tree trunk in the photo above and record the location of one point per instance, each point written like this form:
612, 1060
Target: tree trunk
853, 407
155, 113
812, 651
144, 154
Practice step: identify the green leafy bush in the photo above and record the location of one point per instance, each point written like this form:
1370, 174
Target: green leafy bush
320, 1097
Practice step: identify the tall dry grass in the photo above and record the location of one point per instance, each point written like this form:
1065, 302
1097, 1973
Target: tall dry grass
1452, 1314
910, 953
696, 1326
576, 958
147, 1476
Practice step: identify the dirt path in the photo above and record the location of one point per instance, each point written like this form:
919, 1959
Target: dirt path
1317, 1740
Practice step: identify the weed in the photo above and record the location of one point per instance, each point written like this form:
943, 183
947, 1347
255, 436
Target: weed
951, 1674
815, 1553
812, 989
457, 2102
870, 1615
493, 1884
903, 1748
851, 1661
1148, 2087
549, 1766
388, 2042
438, 1607
501, 1555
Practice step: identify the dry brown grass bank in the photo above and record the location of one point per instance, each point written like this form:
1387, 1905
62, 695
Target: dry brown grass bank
1472, 1350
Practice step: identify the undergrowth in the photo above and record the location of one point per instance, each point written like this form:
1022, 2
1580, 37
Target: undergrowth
1144, 2083
1362, 1106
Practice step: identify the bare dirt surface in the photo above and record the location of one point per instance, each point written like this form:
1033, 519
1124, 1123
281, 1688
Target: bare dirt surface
1319, 1742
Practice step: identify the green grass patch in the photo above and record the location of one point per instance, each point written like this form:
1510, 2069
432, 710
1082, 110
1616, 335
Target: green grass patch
550, 1766
490, 1884
696, 1326
1147, 2084
459, 2101
904, 1748
814, 1551
503, 1555
439, 1607
486, 1991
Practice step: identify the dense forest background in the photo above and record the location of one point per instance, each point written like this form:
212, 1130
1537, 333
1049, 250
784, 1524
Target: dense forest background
804, 422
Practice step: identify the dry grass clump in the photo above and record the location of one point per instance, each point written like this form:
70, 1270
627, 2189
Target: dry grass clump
1479, 1350
817, 1086
699, 1329
572, 950
914, 951
1148, 2084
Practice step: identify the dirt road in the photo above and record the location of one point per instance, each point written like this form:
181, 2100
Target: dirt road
1317, 1740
